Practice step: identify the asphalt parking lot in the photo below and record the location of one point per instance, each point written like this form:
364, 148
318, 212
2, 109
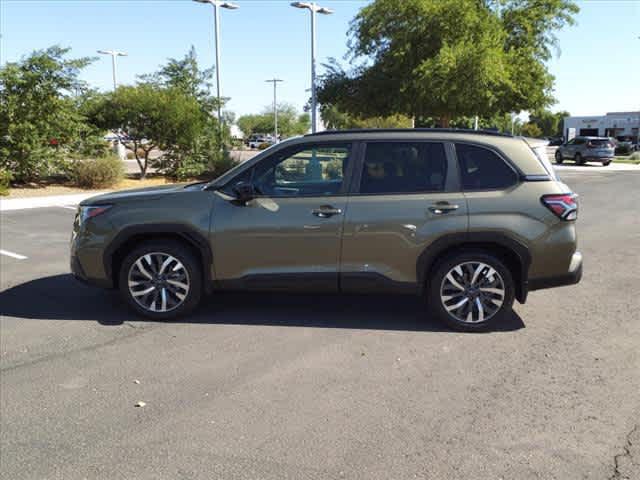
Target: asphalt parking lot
305, 387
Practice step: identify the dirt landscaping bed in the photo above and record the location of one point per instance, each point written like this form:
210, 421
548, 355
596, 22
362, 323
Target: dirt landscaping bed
57, 187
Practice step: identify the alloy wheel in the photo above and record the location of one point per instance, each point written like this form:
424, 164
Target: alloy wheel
472, 292
158, 282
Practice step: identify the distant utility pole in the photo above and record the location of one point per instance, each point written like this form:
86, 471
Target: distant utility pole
114, 68
275, 82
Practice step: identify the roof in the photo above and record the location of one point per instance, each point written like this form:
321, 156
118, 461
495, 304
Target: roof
410, 130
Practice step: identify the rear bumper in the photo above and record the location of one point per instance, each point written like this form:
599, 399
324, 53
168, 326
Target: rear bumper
573, 276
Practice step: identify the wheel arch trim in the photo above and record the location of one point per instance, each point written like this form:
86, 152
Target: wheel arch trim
189, 234
477, 239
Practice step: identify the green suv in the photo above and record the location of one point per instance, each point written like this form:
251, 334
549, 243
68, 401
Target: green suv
471, 220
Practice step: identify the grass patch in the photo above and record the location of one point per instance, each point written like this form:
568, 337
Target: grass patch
628, 160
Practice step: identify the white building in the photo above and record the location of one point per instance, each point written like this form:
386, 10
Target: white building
613, 124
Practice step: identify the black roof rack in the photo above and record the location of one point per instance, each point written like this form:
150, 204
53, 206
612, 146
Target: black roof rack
410, 130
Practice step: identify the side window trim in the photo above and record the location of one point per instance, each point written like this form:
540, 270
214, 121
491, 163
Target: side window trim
357, 178
292, 150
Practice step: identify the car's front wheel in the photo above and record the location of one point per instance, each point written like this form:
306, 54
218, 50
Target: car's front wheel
161, 280
579, 159
471, 291
605, 163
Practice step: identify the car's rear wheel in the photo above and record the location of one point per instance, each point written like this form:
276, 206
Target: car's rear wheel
579, 159
606, 163
161, 280
471, 291
559, 158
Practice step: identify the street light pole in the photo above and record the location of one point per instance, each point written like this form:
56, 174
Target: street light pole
275, 82
216, 27
313, 8
119, 147
114, 68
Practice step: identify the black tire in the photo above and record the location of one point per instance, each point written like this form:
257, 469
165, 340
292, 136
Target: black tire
579, 160
436, 304
193, 277
559, 158
606, 163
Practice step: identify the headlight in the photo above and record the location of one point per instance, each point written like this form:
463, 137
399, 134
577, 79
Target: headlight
85, 213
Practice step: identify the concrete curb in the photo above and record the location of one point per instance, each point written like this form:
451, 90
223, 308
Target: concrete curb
44, 202
593, 168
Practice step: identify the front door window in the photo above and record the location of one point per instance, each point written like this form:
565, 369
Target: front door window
310, 171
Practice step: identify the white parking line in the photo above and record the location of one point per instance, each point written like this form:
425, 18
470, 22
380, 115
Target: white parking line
68, 207
12, 255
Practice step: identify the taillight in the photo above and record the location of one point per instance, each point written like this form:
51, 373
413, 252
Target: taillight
564, 205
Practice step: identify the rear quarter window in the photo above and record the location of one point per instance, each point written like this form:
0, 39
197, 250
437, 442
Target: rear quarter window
482, 169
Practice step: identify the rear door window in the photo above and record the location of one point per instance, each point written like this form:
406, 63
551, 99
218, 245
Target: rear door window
403, 167
600, 142
482, 169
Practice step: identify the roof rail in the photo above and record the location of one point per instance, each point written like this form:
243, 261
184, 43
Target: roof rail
410, 130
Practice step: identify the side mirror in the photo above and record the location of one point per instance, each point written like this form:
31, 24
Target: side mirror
244, 191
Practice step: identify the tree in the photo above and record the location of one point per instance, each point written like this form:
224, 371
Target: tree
549, 123
334, 119
531, 130
39, 118
447, 58
152, 117
186, 76
290, 121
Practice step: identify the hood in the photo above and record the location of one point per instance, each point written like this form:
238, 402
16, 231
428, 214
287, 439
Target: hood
148, 193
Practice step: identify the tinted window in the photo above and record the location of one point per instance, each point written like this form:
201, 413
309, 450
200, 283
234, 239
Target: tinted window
310, 171
481, 169
399, 167
579, 141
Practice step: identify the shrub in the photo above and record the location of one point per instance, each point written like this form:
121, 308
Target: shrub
5, 179
264, 146
98, 173
636, 157
623, 150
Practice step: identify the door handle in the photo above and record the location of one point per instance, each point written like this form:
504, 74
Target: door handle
326, 211
441, 208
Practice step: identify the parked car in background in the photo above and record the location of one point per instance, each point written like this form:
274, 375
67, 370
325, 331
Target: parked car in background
586, 149
470, 220
555, 141
625, 145
257, 140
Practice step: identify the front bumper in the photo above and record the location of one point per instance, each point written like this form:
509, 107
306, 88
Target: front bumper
79, 274
573, 276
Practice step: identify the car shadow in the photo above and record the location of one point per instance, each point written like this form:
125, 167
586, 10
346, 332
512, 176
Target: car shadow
584, 165
61, 297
